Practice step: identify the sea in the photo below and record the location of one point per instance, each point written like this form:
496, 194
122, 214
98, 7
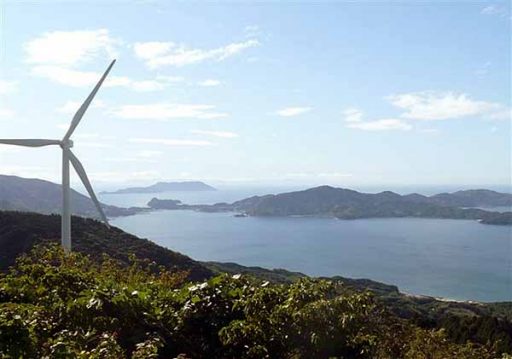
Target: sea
451, 259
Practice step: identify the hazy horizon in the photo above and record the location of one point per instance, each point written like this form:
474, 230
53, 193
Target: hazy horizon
346, 94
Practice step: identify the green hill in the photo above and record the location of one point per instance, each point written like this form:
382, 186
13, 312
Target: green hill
349, 204
19, 232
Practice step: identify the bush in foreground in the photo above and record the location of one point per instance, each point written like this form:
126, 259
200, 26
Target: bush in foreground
54, 305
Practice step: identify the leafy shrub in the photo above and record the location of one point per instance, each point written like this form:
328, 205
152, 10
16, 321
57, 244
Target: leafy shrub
56, 305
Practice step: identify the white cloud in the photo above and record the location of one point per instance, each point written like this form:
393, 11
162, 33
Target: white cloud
77, 78
220, 134
166, 111
209, 83
157, 54
152, 49
67, 76
70, 107
428, 106
504, 114
70, 48
293, 111
171, 142
8, 87
353, 118
494, 10
252, 31
170, 79
57, 56
353, 115
385, 124
443, 106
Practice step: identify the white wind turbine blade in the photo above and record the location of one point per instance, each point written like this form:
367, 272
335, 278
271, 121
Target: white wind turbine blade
85, 180
79, 114
30, 142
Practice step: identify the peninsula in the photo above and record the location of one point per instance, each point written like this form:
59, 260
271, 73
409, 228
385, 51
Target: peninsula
348, 204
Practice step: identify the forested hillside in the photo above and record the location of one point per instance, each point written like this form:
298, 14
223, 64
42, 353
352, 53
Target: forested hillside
220, 315
19, 232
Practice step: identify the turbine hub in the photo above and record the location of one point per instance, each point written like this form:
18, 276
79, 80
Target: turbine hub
66, 144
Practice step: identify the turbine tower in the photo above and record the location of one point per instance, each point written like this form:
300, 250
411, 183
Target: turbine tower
67, 156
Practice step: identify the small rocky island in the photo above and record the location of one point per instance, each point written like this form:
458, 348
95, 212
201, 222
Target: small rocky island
348, 204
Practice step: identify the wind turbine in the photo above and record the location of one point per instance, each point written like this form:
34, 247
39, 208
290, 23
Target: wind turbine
67, 156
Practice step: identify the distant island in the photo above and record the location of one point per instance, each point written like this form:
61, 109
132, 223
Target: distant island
166, 187
348, 204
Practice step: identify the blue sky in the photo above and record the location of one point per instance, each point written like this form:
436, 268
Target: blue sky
338, 93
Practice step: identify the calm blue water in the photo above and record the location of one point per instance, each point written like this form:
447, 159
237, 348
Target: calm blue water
448, 258
191, 197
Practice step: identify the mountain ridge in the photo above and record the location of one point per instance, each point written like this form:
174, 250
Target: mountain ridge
345, 203
41, 196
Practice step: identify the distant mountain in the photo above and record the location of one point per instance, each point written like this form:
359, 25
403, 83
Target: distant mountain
473, 198
19, 232
35, 195
166, 187
349, 204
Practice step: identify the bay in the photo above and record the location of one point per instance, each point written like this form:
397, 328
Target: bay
455, 259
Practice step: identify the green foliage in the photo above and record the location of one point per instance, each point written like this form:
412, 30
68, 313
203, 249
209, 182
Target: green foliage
480, 329
19, 232
54, 305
